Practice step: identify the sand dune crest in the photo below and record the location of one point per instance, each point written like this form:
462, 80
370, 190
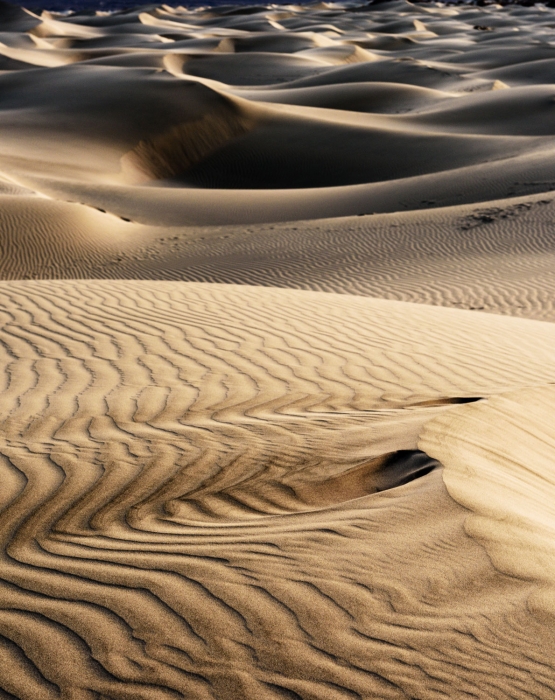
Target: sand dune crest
502, 474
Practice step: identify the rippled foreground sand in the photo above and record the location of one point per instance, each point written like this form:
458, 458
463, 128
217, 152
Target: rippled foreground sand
237, 460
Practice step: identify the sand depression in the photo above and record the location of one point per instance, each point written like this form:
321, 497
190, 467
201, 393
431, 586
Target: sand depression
277, 353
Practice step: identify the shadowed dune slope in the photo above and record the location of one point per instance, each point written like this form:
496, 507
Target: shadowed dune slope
198, 480
317, 109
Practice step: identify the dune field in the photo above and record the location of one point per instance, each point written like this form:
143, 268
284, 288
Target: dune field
277, 353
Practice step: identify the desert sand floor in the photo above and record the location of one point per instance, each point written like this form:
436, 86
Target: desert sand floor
246, 452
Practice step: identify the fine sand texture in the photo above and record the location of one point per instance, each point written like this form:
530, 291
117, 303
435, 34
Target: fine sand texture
247, 452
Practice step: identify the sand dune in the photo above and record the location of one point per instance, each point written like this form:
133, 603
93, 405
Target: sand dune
497, 257
244, 452
200, 488
399, 111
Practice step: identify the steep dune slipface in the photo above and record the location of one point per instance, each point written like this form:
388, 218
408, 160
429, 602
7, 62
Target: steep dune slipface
226, 491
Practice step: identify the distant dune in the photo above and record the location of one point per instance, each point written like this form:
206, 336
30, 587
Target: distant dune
244, 451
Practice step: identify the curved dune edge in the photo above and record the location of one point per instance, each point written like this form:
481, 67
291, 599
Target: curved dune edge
499, 462
198, 486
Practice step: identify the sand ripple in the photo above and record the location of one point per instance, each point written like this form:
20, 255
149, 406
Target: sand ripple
203, 496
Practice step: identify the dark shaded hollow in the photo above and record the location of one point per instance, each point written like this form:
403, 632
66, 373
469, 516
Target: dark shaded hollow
402, 467
379, 474
448, 401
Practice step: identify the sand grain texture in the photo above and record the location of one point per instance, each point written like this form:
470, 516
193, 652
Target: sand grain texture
245, 449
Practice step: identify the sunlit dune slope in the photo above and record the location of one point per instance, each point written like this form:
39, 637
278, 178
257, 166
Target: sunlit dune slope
497, 257
213, 491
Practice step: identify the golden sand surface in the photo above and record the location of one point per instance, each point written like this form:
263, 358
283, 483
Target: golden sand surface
277, 353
